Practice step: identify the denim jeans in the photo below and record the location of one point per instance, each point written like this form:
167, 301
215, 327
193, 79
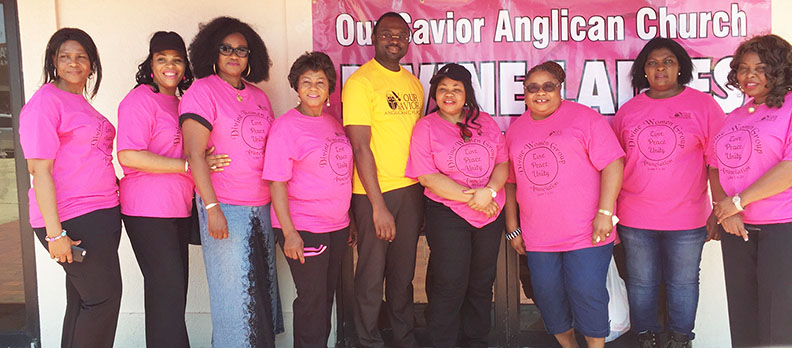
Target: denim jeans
243, 285
570, 291
671, 256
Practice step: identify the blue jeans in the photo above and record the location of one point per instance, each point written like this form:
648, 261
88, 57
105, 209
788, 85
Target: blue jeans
671, 256
569, 289
240, 270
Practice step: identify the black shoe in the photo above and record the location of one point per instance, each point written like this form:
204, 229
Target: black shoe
678, 340
647, 339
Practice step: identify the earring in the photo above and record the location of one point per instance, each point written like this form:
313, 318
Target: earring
679, 74
645, 76
214, 68
152, 75
328, 102
298, 102
184, 78
247, 72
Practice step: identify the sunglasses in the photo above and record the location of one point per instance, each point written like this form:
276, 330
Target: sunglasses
464, 131
547, 87
241, 51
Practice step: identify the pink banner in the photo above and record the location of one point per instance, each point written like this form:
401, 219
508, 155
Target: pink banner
498, 41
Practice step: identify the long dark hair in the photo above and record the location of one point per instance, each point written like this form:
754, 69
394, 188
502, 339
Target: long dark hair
204, 48
472, 109
776, 53
143, 75
54, 44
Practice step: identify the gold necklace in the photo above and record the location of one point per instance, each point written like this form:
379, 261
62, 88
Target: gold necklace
239, 96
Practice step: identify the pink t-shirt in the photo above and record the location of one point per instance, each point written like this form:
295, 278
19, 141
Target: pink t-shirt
314, 157
150, 121
668, 143
437, 147
239, 129
65, 128
556, 164
747, 147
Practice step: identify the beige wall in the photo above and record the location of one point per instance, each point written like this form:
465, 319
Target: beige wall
121, 30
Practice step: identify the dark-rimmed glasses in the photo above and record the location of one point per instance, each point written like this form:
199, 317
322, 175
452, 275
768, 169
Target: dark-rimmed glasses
241, 51
547, 87
464, 131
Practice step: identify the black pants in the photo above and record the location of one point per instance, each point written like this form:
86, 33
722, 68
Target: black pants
93, 287
463, 261
394, 262
316, 281
759, 286
161, 250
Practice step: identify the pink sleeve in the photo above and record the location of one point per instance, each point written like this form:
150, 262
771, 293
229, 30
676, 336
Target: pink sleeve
617, 123
278, 156
512, 179
38, 128
501, 155
715, 119
198, 104
421, 161
603, 147
135, 124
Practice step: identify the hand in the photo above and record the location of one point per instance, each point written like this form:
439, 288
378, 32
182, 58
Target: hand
603, 225
218, 226
724, 208
384, 223
518, 245
713, 230
61, 249
491, 209
481, 198
293, 246
353, 237
734, 225
216, 162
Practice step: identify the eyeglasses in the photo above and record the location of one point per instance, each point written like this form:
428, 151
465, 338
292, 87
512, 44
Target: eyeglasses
547, 87
404, 37
241, 51
464, 131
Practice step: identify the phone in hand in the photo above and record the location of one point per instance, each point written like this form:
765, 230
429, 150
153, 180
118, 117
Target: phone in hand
78, 254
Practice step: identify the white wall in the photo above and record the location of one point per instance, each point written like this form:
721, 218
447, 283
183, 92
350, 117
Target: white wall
121, 30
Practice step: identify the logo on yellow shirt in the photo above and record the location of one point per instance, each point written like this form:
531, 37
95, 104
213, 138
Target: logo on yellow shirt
401, 104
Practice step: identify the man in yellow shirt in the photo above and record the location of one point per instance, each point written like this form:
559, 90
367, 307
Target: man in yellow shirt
381, 103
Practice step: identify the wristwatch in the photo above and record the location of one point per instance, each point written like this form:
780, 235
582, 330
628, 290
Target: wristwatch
738, 202
494, 193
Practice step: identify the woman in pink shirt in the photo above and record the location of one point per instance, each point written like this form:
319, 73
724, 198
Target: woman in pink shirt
309, 168
458, 153
224, 109
566, 171
667, 133
754, 153
74, 199
156, 191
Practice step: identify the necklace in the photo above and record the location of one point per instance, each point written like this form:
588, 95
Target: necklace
752, 108
239, 96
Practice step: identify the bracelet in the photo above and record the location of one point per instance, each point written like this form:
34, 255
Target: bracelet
514, 234
186, 166
52, 239
493, 193
211, 205
605, 212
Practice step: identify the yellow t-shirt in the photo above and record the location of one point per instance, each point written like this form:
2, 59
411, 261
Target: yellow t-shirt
390, 103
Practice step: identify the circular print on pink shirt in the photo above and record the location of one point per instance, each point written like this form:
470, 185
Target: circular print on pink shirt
254, 130
540, 165
340, 157
734, 149
472, 160
657, 142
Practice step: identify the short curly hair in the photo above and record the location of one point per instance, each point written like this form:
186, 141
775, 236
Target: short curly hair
550, 67
144, 73
204, 48
776, 53
638, 72
313, 61
53, 46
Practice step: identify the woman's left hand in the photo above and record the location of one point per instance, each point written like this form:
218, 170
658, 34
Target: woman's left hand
481, 198
724, 208
603, 225
216, 162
